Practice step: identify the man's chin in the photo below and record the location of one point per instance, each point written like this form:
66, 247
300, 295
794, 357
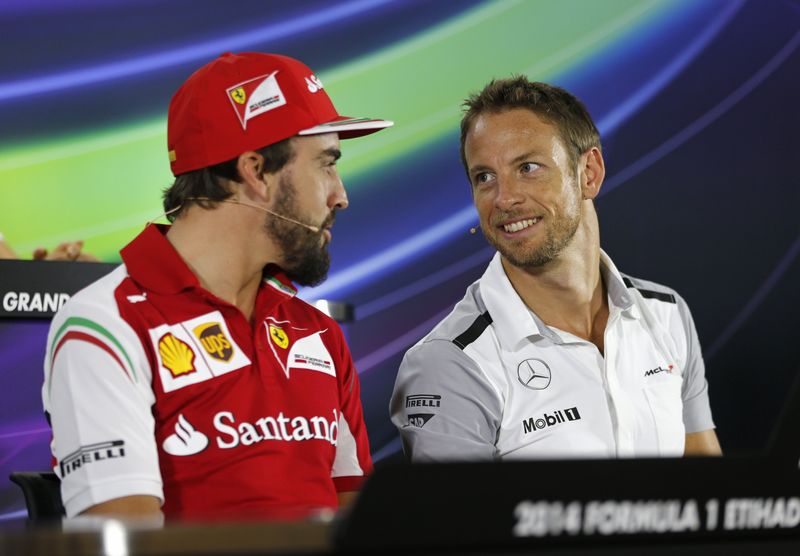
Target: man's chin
513, 251
522, 257
310, 271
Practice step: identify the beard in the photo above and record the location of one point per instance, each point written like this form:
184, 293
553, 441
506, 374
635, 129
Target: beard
305, 257
558, 234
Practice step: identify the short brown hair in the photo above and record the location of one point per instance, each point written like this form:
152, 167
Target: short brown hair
553, 104
209, 183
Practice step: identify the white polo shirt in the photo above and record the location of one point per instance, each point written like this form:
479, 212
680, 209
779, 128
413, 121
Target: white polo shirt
492, 381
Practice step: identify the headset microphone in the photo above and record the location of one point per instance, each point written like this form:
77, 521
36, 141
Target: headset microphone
315, 229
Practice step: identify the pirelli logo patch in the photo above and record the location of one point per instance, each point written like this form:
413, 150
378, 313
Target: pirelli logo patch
92, 453
424, 400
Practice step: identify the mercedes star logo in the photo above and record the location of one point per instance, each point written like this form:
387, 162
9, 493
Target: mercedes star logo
534, 374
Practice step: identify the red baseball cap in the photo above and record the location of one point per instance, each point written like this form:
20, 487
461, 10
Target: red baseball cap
243, 102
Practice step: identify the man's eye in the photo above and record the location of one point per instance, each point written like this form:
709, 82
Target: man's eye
528, 167
483, 178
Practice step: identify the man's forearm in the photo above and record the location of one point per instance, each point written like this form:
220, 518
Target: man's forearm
703, 443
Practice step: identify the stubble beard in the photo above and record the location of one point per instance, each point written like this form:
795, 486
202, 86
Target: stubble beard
305, 257
558, 235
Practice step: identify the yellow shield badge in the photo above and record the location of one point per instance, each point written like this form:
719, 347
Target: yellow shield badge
279, 337
238, 95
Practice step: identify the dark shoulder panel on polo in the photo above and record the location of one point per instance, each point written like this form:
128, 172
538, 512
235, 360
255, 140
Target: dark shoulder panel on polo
474, 331
650, 294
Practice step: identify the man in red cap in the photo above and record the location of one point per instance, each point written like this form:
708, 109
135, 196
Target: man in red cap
192, 380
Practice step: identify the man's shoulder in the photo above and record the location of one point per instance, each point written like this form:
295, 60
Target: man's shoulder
97, 301
468, 320
307, 309
650, 290
93, 315
451, 358
99, 291
663, 303
307, 315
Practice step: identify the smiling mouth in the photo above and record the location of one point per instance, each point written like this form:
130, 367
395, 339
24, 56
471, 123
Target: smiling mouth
520, 225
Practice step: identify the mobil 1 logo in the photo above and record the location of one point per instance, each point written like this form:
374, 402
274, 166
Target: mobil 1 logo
550, 419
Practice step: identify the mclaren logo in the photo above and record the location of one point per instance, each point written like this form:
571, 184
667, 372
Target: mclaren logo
213, 340
534, 374
658, 369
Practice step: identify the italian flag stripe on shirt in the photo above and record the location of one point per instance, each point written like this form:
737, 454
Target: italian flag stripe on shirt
82, 329
278, 285
76, 335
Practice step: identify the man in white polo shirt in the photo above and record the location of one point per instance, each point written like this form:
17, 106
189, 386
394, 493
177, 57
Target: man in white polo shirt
553, 352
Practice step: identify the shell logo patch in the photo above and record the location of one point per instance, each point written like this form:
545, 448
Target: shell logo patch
214, 341
278, 336
176, 355
238, 95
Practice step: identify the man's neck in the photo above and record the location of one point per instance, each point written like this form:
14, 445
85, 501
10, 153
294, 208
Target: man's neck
567, 293
221, 253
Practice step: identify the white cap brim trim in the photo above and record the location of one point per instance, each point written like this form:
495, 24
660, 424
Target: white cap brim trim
350, 124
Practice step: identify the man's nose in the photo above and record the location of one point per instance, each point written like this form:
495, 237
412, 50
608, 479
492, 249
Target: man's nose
338, 198
509, 193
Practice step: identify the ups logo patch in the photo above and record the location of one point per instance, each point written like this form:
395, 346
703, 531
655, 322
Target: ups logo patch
214, 341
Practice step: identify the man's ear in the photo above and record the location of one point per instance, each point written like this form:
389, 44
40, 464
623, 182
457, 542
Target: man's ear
592, 172
255, 183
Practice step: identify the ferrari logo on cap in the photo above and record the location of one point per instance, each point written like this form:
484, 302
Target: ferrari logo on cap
238, 95
279, 337
255, 97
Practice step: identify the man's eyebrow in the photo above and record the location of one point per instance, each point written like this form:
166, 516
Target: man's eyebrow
332, 152
479, 168
525, 156
521, 158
